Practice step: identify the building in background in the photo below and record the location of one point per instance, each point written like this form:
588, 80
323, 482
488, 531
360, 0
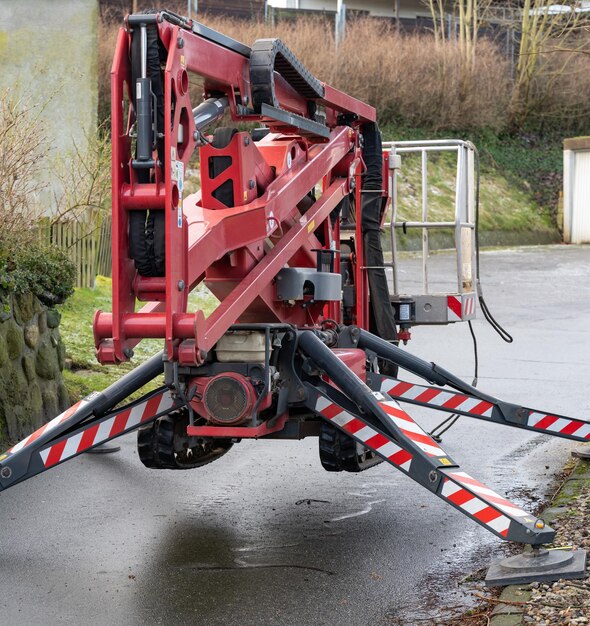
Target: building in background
242, 9
407, 9
409, 13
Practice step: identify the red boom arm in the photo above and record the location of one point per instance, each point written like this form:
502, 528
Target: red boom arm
238, 246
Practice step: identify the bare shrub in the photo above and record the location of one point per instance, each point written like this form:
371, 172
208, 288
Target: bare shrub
557, 92
84, 183
416, 81
22, 150
540, 75
108, 29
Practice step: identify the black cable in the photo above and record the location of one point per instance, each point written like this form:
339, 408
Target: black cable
504, 334
437, 436
475, 355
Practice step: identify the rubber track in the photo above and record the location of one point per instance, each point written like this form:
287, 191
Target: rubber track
270, 55
338, 452
155, 445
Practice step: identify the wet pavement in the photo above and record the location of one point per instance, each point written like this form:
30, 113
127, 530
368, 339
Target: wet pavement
266, 536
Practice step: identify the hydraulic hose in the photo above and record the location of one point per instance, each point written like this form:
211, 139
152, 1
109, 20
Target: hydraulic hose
128, 384
504, 334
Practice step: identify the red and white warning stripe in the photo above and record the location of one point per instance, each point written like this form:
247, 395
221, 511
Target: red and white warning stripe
107, 429
461, 307
56, 421
371, 438
481, 502
436, 397
468, 307
563, 425
454, 309
410, 429
475, 507
491, 497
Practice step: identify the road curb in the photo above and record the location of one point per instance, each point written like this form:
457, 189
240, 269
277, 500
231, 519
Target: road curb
509, 611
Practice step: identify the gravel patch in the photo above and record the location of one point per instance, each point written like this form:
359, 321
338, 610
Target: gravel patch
567, 601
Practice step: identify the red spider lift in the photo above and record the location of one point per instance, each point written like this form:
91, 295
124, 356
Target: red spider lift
288, 352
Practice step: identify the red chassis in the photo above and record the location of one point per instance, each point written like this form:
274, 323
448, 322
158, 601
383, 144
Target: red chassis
236, 250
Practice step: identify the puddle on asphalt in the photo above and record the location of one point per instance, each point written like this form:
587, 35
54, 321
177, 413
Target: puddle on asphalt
364, 511
266, 547
208, 549
200, 560
438, 597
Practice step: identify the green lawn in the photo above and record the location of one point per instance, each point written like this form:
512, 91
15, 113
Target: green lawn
86, 374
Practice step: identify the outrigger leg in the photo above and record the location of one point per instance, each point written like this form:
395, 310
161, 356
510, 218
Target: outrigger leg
375, 419
89, 423
464, 399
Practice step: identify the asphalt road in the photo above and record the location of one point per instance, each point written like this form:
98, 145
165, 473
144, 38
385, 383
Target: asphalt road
265, 536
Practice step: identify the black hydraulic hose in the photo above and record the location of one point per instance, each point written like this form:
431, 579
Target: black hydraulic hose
475, 355
504, 334
128, 384
436, 433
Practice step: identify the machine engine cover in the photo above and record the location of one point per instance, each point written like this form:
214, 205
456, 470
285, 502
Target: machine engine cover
226, 399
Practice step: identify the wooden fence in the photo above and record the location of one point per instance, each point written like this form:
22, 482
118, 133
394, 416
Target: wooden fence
104, 259
87, 244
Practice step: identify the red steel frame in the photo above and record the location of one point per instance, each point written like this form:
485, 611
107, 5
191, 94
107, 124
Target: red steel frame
227, 247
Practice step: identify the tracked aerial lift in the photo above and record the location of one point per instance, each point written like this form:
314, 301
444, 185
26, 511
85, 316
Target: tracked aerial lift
289, 352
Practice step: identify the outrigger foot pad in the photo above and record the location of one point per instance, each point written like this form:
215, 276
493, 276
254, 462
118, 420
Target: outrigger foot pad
102, 449
582, 452
537, 565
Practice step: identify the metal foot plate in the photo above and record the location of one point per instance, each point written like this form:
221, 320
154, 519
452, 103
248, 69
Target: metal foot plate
537, 566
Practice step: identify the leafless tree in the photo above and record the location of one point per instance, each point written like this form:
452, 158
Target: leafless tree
23, 149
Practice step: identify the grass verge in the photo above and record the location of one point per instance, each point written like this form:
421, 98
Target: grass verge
84, 374
520, 180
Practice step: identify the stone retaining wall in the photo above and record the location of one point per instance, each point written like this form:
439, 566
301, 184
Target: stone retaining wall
31, 361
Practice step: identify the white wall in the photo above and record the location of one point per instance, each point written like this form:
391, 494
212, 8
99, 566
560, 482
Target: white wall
48, 54
576, 191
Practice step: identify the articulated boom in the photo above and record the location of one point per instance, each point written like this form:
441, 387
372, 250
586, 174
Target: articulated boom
289, 352
256, 212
